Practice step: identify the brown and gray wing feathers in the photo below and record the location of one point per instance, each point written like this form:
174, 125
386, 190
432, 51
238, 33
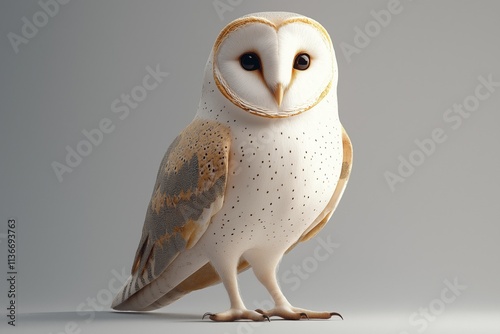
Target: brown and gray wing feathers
189, 190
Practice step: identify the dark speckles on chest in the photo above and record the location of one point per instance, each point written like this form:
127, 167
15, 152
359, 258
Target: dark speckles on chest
278, 184
281, 175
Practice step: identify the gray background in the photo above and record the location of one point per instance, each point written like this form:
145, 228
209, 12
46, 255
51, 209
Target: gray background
395, 248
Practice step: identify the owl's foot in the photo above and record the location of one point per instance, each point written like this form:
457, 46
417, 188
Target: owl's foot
294, 313
236, 314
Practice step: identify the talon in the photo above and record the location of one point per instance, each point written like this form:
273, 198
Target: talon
304, 315
259, 311
265, 316
337, 314
208, 313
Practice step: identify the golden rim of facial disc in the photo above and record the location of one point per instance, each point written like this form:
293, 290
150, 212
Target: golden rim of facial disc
231, 96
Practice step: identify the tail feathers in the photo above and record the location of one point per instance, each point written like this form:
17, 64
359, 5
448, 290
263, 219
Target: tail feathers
127, 298
127, 290
140, 292
204, 277
149, 298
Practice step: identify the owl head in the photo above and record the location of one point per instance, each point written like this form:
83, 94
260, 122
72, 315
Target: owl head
274, 64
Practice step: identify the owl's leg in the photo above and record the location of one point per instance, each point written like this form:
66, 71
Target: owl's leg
228, 273
264, 266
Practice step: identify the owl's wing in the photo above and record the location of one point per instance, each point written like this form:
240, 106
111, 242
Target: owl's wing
189, 191
325, 215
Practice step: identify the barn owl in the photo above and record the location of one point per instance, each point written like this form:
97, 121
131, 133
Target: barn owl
260, 169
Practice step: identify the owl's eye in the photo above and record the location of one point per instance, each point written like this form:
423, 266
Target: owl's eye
301, 62
250, 61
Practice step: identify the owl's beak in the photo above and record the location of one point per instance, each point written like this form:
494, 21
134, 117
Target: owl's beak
278, 94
